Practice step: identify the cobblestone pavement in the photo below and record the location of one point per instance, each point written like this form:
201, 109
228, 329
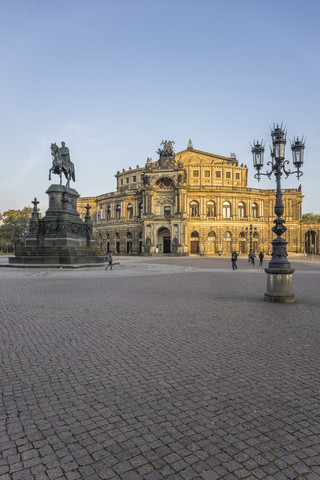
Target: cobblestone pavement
161, 369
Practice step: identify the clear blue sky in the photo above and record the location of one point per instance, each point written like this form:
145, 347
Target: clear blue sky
114, 78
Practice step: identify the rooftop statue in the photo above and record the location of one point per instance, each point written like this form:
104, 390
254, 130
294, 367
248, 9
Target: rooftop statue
61, 163
167, 150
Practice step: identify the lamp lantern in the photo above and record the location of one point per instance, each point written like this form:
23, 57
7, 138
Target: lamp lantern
297, 147
279, 142
258, 154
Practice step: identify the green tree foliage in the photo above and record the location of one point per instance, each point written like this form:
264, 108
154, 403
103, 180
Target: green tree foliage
14, 226
311, 217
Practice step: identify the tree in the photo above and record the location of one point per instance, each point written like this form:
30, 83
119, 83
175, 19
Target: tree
311, 217
14, 226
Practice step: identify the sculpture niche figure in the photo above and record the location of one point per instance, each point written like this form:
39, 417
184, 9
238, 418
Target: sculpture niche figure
61, 163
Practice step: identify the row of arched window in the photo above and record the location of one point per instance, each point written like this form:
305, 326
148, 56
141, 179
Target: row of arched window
211, 210
114, 242
117, 236
117, 211
227, 242
226, 209
226, 235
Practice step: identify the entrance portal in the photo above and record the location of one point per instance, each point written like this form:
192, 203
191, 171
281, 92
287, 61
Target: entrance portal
164, 240
166, 244
194, 243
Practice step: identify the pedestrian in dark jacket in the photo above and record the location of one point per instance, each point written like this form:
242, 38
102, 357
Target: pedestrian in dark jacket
234, 258
252, 258
261, 258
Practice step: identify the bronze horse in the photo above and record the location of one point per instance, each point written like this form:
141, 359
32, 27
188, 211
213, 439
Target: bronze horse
59, 166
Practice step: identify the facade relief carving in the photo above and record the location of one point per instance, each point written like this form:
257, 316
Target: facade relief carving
164, 184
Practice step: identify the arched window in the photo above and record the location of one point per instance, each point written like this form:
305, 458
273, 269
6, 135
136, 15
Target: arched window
140, 209
211, 209
241, 210
164, 184
226, 209
108, 242
117, 242
118, 212
129, 242
108, 213
140, 242
254, 210
194, 209
130, 211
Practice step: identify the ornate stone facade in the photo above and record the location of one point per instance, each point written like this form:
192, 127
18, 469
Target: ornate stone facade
193, 202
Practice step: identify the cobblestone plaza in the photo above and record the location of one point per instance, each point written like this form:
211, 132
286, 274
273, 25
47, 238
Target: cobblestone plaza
163, 368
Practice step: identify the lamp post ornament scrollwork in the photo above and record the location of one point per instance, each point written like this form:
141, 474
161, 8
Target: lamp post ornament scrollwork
279, 264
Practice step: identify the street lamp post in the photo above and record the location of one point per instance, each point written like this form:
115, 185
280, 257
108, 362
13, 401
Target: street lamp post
279, 282
250, 238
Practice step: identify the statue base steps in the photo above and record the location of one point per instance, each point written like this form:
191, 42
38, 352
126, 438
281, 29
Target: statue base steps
57, 257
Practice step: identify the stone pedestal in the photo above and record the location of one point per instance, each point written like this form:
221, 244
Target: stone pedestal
61, 238
279, 285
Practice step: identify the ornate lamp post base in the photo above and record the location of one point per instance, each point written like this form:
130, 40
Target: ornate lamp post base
279, 285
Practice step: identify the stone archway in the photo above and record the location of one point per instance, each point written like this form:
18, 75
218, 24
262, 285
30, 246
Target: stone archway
163, 240
140, 242
129, 243
107, 242
310, 241
117, 242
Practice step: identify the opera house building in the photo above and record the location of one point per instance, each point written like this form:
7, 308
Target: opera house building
194, 203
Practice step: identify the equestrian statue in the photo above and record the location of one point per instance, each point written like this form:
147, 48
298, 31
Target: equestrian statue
61, 163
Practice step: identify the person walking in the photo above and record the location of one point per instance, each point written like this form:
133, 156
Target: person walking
261, 259
234, 258
252, 258
109, 261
